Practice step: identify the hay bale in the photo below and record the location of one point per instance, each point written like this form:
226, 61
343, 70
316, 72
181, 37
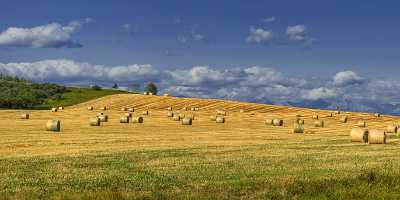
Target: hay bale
359, 135
186, 121
170, 114
319, 123
150, 93
145, 93
146, 112
241, 111
124, 119
277, 122
220, 119
298, 128
24, 116
165, 94
60, 108
181, 115
330, 115
54, 110
315, 117
137, 120
268, 121
185, 108
94, 121
361, 124
103, 108
221, 112
377, 137
53, 125
176, 118
169, 108
131, 109
191, 116
344, 119
98, 114
196, 109
103, 118
193, 109
377, 114
213, 118
124, 109
391, 129
128, 115
299, 121
90, 108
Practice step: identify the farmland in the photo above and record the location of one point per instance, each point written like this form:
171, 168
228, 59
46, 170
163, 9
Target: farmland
241, 158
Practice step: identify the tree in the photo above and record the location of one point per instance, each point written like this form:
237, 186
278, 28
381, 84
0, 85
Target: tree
115, 86
151, 87
96, 87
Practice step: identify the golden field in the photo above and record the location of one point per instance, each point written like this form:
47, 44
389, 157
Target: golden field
162, 159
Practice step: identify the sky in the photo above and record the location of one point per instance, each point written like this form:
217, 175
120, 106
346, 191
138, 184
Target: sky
287, 51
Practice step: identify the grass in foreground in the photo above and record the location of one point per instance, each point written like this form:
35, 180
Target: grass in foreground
73, 96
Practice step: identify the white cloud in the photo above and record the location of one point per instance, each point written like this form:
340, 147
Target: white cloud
297, 32
51, 35
198, 36
259, 35
320, 93
346, 78
269, 19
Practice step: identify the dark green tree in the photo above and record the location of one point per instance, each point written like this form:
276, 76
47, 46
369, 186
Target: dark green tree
151, 87
115, 86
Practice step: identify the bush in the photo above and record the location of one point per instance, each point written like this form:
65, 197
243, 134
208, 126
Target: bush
96, 87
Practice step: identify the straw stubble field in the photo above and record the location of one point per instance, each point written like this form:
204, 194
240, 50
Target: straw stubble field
160, 158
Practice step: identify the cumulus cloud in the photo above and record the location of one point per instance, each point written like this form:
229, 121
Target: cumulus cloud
346, 78
259, 35
320, 93
297, 32
269, 19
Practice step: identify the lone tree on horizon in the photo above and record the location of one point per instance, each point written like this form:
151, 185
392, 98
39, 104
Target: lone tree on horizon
151, 87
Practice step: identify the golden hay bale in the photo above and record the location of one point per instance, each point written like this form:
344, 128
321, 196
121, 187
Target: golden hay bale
150, 93
124, 119
94, 121
241, 111
24, 116
277, 122
377, 137
169, 108
98, 114
220, 119
221, 112
176, 118
53, 125
54, 110
361, 124
181, 115
185, 108
315, 117
60, 108
170, 114
391, 129
319, 123
359, 135
344, 119
268, 121
193, 109
191, 116
146, 93
186, 121
377, 114
138, 120
90, 108
128, 114
165, 94
103, 118
298, 128
330, 115
103, 108
146, 112
124, 109
213, 117
196, 109
299, 121
132, 109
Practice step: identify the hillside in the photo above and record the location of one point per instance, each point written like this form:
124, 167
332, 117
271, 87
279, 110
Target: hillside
242, 158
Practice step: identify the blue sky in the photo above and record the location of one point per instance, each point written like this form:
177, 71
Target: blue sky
293, 45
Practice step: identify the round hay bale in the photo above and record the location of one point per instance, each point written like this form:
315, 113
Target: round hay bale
330, 115
146, 112
185, 108
213, 118
377, 114
277, 122
24, 116
359, 135
150, 93
103, 108
241, 111
298, 128
165, 94
131, 109
196, 109
124, 119
90, 108
268, 121
137, 120
103, 118
319, 123
170, 114
176, 118
145, 93
181, 115
315, 117
124, 109
60, 108
344, 119
361, 124
54, 110
377, 137
98, 114
193, 109
220, 119
221, 112
391, 129
191, 116
128, 115
299, 121
53, 125
169, 108
186, 121
94, 121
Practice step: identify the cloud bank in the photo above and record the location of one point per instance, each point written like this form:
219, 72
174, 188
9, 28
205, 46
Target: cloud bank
346, 89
